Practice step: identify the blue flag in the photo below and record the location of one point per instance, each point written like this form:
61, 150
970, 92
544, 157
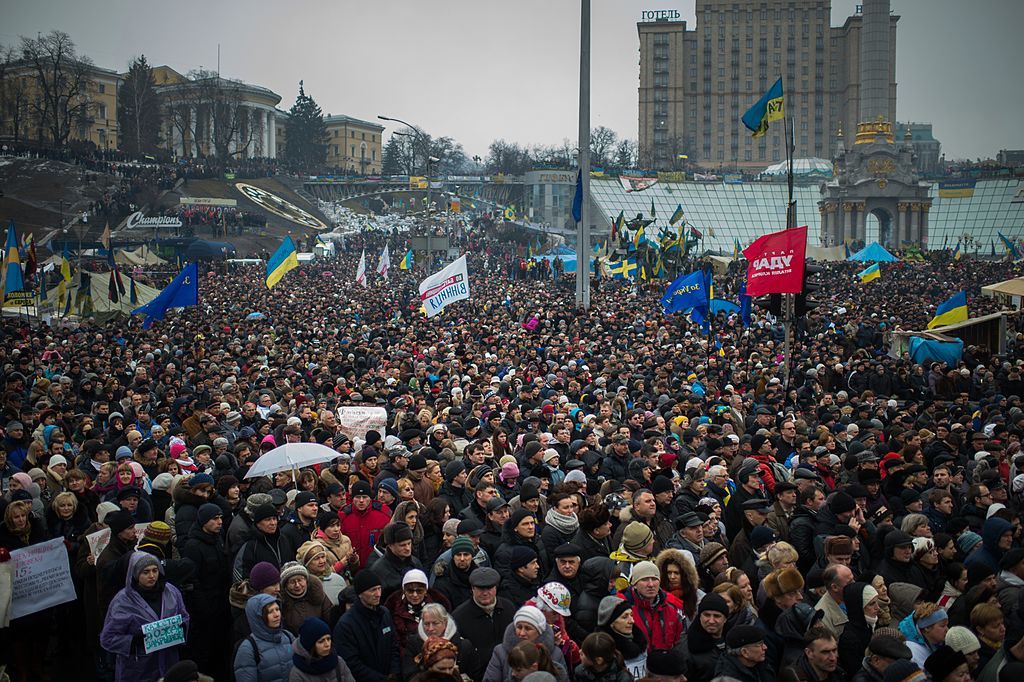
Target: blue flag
744, 305
577, 200
181, 293
687, 291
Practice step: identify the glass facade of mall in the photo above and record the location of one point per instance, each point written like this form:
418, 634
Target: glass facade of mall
743, 211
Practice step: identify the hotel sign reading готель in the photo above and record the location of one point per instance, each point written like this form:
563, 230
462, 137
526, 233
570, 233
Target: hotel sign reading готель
660, 15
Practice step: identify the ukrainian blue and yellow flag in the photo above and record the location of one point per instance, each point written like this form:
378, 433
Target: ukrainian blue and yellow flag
14, 282
638, 237
736, 250
283, 260
1011, 248
677, 215
872, 272
769, 108
957, 253
406, 262
950, 312
63, 297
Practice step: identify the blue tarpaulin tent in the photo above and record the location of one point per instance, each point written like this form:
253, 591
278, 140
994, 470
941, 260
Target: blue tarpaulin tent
928, 350
874, 253
201, 249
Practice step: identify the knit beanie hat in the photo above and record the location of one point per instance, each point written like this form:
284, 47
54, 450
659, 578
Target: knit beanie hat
158, 532
451, 526
968, 541
962, 639
942, 661
311, 630
902, 671
711, 552
610, 608
643, 569
453, 469
867, 595
463, 544
509, 471
255, 500
104, 508
761, 536
292, 569
263, 512
163, 482
521, 556
119, 520
326, 519
208, 512
713, 602
636, 537
365, 580
263, 575
531, 615
842, 502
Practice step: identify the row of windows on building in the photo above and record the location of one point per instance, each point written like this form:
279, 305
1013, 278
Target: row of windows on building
352, 135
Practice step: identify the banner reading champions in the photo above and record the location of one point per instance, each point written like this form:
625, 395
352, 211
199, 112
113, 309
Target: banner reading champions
447, 286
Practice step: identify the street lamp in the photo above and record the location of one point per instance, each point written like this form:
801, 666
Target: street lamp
416, 132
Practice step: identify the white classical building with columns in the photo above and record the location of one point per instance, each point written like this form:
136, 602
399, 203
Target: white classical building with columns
217, 116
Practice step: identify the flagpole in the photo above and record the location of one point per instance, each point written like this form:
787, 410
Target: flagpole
790, 224
583, 229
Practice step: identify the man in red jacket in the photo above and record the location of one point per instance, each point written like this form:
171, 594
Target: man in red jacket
363, 520
657, 613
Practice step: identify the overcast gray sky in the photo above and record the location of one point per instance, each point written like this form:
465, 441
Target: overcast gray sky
477, 70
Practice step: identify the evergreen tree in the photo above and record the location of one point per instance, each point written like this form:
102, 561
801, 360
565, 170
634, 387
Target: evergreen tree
306, 133
138, 110
392, 162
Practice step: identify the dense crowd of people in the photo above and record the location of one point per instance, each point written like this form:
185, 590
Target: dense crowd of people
555, 494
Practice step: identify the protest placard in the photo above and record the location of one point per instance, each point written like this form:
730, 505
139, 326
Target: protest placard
163, 633
42, 578
354, 421
99, 540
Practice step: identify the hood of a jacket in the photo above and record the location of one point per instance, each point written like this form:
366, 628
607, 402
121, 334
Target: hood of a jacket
596, 573
853, 599
134, 561
254, 614
991, 531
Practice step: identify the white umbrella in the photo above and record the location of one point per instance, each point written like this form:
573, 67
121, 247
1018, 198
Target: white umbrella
291, 456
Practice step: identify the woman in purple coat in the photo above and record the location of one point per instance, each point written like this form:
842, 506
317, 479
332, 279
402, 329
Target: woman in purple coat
146, 598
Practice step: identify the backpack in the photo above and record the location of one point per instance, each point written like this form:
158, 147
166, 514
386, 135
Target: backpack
255, 649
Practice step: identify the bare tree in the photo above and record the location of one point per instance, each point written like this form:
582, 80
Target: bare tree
14, 93
61, 76
602, 146
230, 126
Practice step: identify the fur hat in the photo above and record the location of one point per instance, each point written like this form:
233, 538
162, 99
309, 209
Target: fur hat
594, 517
783, 581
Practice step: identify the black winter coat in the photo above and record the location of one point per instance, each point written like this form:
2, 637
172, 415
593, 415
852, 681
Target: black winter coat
212, 577
484, 631
366, 640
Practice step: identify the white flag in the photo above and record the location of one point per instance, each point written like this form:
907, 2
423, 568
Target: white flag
361, 270
384, 264
447, 286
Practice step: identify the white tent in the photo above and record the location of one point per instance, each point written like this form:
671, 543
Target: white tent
99, 288
139, 257
813, 167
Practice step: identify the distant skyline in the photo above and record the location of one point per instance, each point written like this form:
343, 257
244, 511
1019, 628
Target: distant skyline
480, 71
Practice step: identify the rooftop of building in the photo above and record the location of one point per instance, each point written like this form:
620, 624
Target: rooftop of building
342, 119
729, 211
